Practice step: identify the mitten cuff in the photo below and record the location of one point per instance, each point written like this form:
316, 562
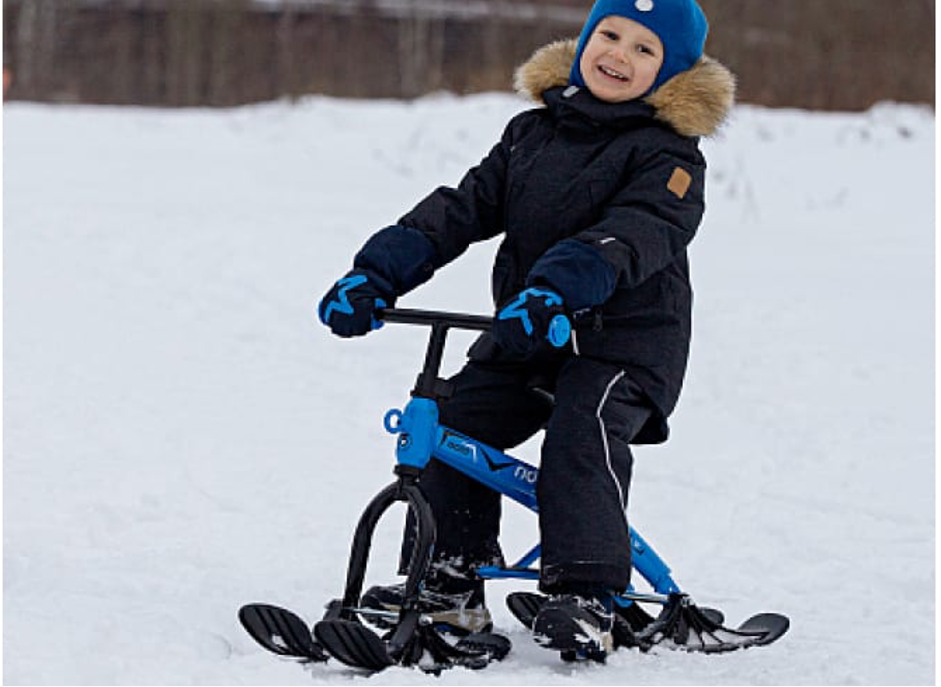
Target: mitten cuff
403, 256
577, 271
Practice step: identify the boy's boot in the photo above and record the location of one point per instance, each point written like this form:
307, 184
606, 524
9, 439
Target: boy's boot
459, 606
577, 623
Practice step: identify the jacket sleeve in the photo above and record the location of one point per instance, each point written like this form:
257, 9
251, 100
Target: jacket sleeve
652, 218
454, 218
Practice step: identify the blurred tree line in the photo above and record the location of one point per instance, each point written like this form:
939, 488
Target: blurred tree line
820, 54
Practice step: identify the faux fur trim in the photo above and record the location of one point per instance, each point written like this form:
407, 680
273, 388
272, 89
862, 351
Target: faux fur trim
695, 102
548, 67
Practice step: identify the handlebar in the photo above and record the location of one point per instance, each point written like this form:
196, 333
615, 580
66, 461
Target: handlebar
559, 329
435, 317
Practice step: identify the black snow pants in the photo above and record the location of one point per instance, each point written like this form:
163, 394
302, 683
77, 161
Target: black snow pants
584, 473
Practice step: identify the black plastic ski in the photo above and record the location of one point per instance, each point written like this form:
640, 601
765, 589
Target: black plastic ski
682, 625
353, 643
280, 631
525, 606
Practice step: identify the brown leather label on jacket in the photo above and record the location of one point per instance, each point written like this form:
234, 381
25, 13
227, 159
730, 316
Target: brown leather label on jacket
679, 182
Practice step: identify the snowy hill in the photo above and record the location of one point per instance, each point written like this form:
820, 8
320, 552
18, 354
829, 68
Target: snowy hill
181, 436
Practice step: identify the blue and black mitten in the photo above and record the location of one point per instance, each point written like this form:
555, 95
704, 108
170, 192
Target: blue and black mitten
569, 277
350, 305
391, 263
532, 321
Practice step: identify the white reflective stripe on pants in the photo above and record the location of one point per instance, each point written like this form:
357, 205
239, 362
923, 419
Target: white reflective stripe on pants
604, 438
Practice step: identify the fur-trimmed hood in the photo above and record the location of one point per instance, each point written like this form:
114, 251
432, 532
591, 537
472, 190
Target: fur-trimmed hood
695, 102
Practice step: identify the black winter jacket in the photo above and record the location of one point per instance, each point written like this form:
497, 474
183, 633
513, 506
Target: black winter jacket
626, 178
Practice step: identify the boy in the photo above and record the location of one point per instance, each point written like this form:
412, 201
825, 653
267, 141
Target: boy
598, 194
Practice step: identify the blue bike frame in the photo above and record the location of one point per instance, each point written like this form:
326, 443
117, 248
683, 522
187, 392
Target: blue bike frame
421, 438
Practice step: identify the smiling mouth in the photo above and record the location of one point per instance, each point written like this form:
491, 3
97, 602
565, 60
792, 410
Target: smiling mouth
607, 71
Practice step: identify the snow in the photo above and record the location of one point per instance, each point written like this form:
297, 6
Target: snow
182, 436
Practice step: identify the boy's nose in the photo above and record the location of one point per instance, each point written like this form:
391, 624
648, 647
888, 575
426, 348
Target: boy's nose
618, 51
620, 54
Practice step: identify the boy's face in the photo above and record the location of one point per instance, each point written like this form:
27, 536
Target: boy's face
621, 59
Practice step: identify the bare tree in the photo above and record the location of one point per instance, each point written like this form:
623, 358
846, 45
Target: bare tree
35, 44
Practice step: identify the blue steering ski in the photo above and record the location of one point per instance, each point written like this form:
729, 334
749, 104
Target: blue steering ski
348, 631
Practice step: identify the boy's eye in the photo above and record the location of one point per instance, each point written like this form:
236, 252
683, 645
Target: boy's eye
610, 35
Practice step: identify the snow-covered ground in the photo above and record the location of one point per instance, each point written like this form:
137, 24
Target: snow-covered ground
182, 436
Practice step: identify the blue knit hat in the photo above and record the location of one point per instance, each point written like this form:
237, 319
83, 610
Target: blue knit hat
679, 24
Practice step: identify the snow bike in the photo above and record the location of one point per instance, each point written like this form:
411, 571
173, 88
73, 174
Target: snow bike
411, 637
